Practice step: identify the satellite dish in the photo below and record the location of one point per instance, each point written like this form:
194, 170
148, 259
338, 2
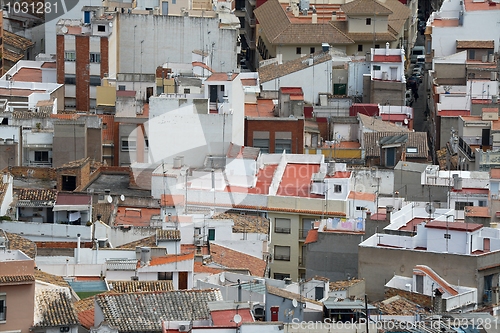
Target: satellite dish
110, 24
222, 278
429, 208
294, 303
122, 197
405, 121
64, 30
109, 199
237, 318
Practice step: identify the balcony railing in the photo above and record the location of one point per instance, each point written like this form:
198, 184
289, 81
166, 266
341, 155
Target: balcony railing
303, 233
282, 230
250, 20
302, 262
466, 149
282, 257
487, 296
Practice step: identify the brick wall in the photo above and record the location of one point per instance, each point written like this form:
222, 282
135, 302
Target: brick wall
82, 73
38, 173
277, 125
104, 56
60, 58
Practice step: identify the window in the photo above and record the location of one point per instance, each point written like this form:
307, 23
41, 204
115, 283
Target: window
376, 67
104, 126
261, 140
337, 188
312, 50
101, 28
411, 150
70, 79
428, 48
187, 90
360, 48
146, 143
41, 156
165, 276
282, 253
3, 307
282, 226
128, 144
377, 46
459, 205
70, 56
121, 87
283, 141
298, 50
368, 21
482, 203
281, 276
95, 80
211, 234
472, 54
95, 57
360, 208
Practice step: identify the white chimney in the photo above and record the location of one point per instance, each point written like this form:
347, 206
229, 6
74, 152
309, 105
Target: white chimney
78, 240
334, 16
311, 60
229, 76
387, 48
314, 18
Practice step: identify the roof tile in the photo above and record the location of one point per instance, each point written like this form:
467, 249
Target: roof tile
232, 259
53, 307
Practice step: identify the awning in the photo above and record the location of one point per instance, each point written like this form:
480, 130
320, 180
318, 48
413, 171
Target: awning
58, 208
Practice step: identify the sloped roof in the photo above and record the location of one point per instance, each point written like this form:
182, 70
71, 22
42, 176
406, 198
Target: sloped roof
400, 13
399, 306
53, 308
16, 41
378, 125
6, 279
289, 295
49, 278
418, 140
22, 244
365, 7
149, 241
343, 284
141, 312
237, 151
246, 223
475, 44
278, 28
275, 70
141, 286
28, 197
312, 236
168, 234
232, 259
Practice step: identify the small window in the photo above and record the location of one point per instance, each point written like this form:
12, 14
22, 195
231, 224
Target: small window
41, 156
69, 79
411, 150
282, 226
101, 28
165, 276
104, 126
337, 188
174, 2
313, 49
482, 203
3, 307
376, 67
128, 144
460, 205
368, 21
70, 56
377, 46
282, 253
281, 276
360, 48
95, 80
187, 90
95, 57
298, 50
472, 54
360, 208
121, 87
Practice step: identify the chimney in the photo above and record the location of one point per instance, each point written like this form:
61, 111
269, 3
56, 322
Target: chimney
229, 76
388, 211
334, 16
387, 48
311, 60
368, 215
314, 18
78, 241
239, 291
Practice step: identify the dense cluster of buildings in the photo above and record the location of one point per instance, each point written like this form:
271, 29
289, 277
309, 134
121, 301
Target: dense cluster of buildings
250, 166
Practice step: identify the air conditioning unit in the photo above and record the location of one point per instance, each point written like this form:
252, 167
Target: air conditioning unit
184, 328
198, 242
385, 76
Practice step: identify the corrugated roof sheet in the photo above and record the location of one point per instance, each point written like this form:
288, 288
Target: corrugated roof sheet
143, 312
140, 286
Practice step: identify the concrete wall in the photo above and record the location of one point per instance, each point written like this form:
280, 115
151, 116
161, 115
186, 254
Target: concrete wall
172, 39
358, 24
450, 73
383, 92
334, 256
287, 312
94, 144
70, 142
407, 183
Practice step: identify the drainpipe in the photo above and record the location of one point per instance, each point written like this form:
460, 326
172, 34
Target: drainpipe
78, 248
67, 266
239, 291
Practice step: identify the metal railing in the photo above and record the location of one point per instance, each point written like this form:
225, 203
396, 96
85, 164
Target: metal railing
282, 230
466, 149
303, 233
302, 262
281, 257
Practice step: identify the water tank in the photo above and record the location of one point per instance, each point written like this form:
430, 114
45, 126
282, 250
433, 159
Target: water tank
145, 255
304, 5
178, 160
457, 182
484, 58
491, 58
331, 168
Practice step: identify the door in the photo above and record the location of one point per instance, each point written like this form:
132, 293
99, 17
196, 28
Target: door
183, 280
211, 234
164, 8
213, 94
390, 157
275, 310
486, 245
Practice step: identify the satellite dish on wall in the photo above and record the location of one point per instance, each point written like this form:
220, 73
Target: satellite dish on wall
405, 121
64, 30
122, 197
429, 208
237, 318
294, 303
109, 199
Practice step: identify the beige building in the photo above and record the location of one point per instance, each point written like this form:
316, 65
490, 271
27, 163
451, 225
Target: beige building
17, 291
287, 32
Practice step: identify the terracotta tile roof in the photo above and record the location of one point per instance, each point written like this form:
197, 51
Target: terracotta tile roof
399, 306
232, 259
400, 14
65, 116
171, 258
365, 196
49, 278
365, 7
312, 236
378, 125
264, 108
54, 308
139, 217
20, 243
200, 268
74, 164
289, 295
168, 234
36, 194
274, 70
318, 278
415, 139
477, 211
343, 285
7, 279
140, 286
12, 56
147, 241
16, 41
26, 74
475, 44
144, 312
246, 223
86, 318
221, 77
279, 29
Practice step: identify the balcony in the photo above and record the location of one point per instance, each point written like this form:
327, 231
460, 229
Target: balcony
302, 262
251, 21
282, 230
466, 149
282, 257
303, 233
